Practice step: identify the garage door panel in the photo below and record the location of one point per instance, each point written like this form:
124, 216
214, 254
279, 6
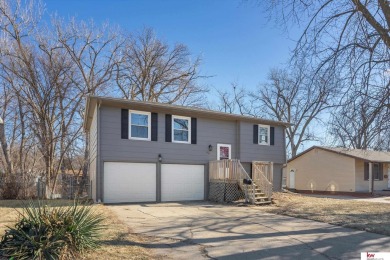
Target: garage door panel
129, 182
181, 182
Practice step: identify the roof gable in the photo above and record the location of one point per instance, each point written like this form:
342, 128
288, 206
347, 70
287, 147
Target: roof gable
366, 155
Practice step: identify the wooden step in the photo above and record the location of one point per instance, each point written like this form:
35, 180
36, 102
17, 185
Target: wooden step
258, 193
261, 198
257, 189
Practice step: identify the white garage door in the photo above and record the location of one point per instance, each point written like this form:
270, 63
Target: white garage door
182, 182
129, 182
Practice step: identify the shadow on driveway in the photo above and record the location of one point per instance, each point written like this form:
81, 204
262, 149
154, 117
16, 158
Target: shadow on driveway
203, 230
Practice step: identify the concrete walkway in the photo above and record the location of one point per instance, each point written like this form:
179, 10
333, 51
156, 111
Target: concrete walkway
203, 230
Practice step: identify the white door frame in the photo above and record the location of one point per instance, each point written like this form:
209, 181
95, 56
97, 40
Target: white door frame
388, 175
224, 145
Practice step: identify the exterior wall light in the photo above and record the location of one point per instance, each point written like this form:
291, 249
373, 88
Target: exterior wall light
160, 158
210, 147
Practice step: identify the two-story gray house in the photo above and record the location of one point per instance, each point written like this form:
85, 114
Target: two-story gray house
152, 152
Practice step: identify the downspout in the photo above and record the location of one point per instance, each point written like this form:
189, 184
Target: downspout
285, 160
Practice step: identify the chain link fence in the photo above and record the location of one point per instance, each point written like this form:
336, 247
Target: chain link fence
32, 187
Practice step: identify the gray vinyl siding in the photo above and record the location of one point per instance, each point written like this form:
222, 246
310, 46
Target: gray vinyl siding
278, 176
254, 152
93, 140
209, 131
247, 167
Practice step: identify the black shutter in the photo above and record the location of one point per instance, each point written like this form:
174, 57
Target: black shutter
154, 126
366, 174
193, 130
168, 128
272, 135
380, 171
125, 124
256, 134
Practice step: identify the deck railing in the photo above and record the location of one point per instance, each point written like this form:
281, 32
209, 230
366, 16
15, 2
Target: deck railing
262, 174
228, 170
265, 168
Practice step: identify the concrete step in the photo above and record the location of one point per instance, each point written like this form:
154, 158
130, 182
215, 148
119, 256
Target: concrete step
262, 202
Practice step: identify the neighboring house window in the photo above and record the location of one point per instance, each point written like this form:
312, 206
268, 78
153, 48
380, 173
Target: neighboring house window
181, 129
139, 125
264, 134
377, 171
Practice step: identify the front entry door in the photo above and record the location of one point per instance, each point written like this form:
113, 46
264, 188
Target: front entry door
292, 180
224, 152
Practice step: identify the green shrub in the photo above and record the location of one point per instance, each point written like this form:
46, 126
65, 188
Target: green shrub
50, 232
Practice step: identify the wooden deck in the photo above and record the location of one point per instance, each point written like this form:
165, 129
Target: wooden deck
257, 191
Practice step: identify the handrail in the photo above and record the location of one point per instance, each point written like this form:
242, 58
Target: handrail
263, 182
251, 197
265, 167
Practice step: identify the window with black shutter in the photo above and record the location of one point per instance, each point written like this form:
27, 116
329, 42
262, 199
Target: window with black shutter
125, 124
154, 126
263, 134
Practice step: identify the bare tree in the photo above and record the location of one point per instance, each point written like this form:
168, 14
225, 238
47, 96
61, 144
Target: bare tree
351, 37
49, 73
47, 70
339, 31
360, 122
94, 52
150, 70
234, 101
4, 147
295, 97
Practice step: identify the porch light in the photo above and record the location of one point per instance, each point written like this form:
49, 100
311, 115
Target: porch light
160, 158
210, 147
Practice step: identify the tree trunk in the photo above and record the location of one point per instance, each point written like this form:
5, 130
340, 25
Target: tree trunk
4, 147
84, 178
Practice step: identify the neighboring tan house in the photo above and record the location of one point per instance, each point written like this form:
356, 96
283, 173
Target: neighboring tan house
339, 170
152, 152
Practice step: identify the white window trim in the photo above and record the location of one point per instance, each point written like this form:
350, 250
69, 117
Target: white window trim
173, 129
269, 134
219, 152
149, 125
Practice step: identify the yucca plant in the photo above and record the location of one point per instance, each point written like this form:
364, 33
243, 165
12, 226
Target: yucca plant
52, 232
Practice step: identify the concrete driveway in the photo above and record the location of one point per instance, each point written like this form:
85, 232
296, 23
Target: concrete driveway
204, 230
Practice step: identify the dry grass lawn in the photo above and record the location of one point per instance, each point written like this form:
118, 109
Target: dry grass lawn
367, 216
118, 242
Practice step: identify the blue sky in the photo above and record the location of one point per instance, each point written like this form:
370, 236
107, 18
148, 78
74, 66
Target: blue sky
232, 36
